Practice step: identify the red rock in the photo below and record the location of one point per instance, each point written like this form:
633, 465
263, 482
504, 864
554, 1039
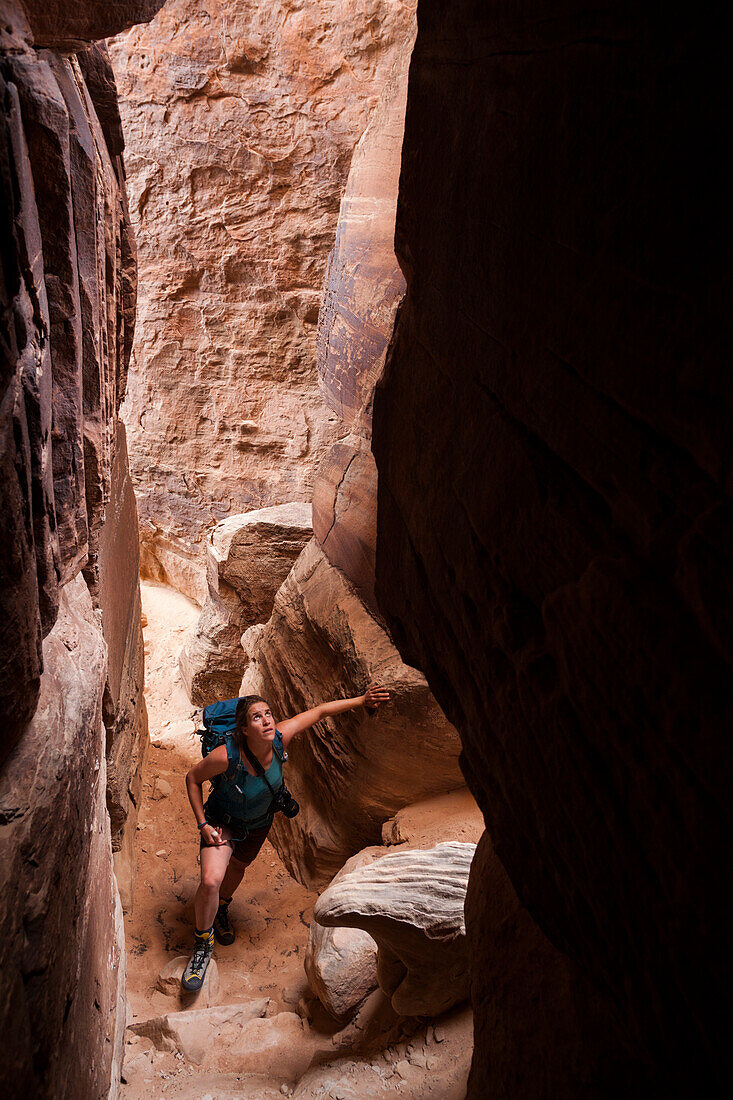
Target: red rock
72, 26
28, 596
68, 291
362, 291
345, 512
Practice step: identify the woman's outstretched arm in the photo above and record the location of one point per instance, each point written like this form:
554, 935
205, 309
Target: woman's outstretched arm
371, 699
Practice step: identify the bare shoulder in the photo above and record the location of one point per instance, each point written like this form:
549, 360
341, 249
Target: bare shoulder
219, 754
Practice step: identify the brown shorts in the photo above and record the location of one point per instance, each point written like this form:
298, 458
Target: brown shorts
245, 851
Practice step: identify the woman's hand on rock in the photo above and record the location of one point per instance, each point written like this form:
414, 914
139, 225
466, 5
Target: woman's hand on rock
374, 696
212, 836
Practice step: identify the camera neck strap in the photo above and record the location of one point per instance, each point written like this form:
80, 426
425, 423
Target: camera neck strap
260, 771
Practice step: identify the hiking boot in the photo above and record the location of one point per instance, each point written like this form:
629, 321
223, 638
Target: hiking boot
222, 928
193, 975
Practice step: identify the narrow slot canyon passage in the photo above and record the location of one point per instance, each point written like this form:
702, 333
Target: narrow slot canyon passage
354, 349
231, 1055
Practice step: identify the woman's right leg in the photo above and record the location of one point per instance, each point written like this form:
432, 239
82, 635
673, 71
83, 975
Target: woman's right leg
214, 863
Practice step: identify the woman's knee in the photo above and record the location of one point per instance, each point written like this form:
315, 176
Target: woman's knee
211, 878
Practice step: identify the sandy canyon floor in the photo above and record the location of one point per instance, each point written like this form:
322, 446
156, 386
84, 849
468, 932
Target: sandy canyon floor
209, 1047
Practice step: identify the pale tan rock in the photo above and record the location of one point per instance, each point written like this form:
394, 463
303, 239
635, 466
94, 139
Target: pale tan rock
247, 557
198, 1032
412, 904
351, 773
161, 789
240, 123
234, 1037
341, 963
342, 968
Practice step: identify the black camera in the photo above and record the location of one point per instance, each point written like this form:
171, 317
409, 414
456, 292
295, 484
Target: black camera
285, 803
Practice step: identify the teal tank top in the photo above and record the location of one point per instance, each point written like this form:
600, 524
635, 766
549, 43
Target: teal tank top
241, 797
258, 796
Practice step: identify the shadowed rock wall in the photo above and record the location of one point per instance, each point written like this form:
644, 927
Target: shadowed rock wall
240, 120
553, 444
69, 585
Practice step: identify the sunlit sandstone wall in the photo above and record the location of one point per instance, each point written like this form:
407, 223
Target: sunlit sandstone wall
553, 445
71, 665
240, 119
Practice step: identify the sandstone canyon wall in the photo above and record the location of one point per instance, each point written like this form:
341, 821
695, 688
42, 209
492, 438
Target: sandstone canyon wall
553, 444
240, 119
71, 673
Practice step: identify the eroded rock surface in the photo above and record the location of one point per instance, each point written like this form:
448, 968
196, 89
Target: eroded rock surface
553, 444
67, 509
61, 939
362, 290
411, 903
247, 559
351, 773
240, 121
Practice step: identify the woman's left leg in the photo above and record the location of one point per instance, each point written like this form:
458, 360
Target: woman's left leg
245, 851
232, 879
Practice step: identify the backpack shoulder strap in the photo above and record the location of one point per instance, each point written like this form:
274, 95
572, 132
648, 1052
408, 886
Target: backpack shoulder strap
279, 747
234, 758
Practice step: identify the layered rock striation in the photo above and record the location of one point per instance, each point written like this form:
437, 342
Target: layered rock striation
240, 121
62, 997
411, 903
71, 661
553, 444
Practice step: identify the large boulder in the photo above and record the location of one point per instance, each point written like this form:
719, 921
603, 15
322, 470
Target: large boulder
350, 773
411, 903
247, 558
341, 963
236, 1038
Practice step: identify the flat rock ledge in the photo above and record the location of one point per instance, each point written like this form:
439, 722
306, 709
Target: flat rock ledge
411, 904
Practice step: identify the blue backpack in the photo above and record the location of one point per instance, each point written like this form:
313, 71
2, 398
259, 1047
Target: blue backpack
228, 787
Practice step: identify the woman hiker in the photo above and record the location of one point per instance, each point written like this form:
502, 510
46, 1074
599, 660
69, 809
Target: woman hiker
238, 814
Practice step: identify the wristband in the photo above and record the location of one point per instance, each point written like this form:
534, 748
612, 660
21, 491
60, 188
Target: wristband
203, 823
